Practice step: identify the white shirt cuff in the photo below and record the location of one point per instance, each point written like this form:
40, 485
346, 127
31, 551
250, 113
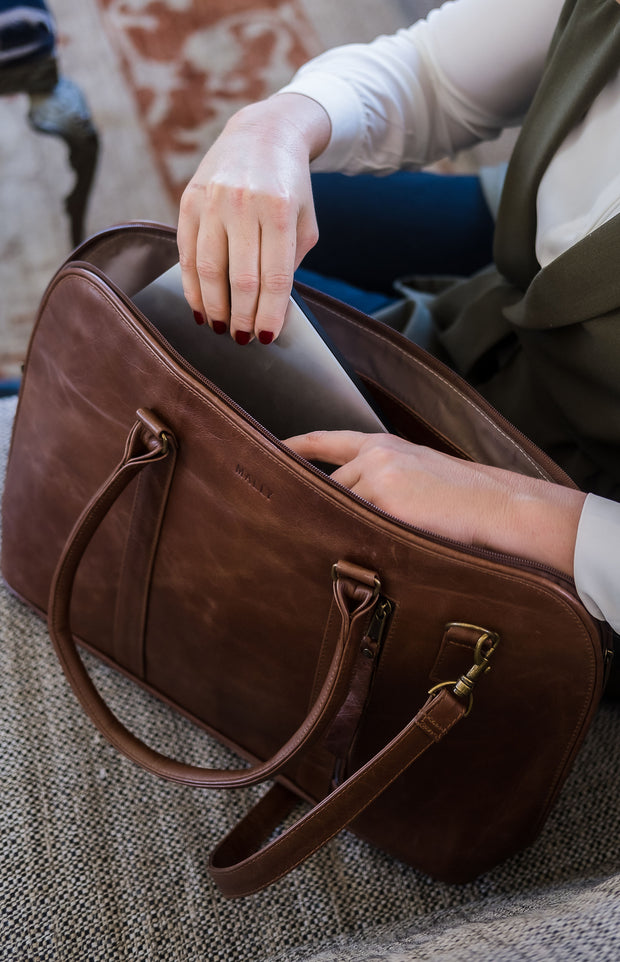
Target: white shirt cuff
345, 113
597, 559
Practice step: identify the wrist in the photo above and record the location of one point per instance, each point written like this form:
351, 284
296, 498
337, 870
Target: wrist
294, 120
308, 117
546, 523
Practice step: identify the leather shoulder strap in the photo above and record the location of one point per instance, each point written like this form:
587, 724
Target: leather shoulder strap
240, 867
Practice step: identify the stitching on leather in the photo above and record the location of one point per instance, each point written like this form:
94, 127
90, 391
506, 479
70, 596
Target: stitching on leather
432, 727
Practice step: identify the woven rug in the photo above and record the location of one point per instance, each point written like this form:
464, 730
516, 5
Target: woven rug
161, 78
191, 65
102, 862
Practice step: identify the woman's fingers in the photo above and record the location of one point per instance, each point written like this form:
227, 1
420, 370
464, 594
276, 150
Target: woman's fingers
243, 275
203, 254
330, 447
212, 273
277, 267
245, 253
247, 218
468, 502
187, 242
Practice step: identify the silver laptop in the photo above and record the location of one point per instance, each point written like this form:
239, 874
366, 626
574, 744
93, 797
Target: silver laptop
294, 385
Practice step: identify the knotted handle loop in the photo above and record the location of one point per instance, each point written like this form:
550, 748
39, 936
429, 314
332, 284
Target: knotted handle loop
149, 442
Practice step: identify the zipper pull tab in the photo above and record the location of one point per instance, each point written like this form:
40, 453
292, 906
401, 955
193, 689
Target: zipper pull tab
373, 639
342, 732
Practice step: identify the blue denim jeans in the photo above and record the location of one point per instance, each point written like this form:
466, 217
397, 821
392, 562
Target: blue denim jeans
374, 230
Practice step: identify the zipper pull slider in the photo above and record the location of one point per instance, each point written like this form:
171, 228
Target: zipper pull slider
372, 640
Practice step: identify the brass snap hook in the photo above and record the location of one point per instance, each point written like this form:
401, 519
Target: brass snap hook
485, 646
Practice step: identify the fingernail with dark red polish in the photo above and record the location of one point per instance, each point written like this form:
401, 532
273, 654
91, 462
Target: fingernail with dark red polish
198, 317
265, 337
242, 337
219, 327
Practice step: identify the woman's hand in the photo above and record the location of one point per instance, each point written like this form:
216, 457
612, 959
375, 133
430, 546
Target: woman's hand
471, 503
247, 216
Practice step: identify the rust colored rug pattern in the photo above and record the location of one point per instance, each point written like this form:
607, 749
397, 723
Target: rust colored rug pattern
192, 63
161, 78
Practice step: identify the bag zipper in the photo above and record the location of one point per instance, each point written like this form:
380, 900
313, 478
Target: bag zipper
372, 641
342, 734
512, 561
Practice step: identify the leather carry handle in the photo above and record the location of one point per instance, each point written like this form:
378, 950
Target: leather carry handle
239, 866
148, 443
238, 869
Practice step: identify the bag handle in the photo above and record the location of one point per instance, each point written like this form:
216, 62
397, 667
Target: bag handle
239, 869
355, 592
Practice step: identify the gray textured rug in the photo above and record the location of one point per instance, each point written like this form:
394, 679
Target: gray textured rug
102, 862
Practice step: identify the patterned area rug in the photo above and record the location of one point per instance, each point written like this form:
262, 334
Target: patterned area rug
161, 78
192, 64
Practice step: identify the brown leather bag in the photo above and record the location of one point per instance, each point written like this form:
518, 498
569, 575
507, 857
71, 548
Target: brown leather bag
163, 529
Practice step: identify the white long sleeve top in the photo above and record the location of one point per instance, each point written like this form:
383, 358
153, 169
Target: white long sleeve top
444, 84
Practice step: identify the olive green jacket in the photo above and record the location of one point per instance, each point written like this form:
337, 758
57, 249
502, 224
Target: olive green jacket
543, 345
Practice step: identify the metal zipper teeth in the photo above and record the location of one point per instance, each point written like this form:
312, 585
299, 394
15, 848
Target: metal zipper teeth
483, 553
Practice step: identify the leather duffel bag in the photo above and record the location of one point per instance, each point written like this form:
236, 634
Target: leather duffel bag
428, 694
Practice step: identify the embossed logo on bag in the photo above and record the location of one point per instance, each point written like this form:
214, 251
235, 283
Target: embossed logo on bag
262, 489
